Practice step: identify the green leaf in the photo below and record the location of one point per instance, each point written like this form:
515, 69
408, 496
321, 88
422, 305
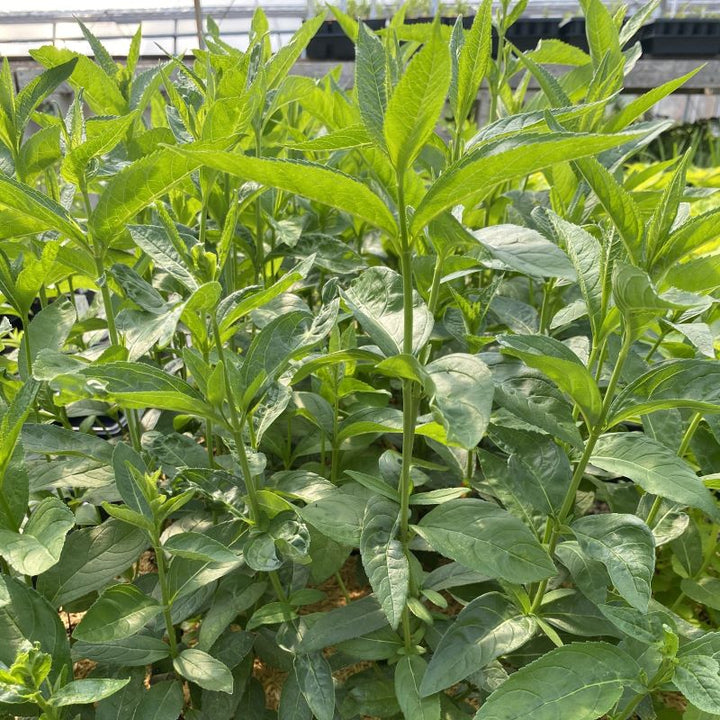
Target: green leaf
343, 623
293, 705
101, 55
204, 670
136, 187
11, 422
82, 692
90, 559
641, 104
705, 590
48, 330
241, 303
44, 212
542, 473
561, 365
370, 82
54, 440
383, 557
376, 301
585, 253
486, 628
28, 617
158, 245
462, 394
135, 651
409, 674
235, 594
38, 547
687, 383
655, 468
699, 274
602, 33
163, 701
315, 681
687, 238
581, 681
474, 59
138, 385
40, 152
283, 339
537, 401
338, 515
38, 89
316, 182
637, 299
195, 546
417, 101
624, 544
102, 136
474, 176
121, 611
618, 203
130, 491
525, 250
486, 538
698, 679
100, 92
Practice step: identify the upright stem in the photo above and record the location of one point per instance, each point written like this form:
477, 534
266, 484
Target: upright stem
165, 595
408, 393
553, 526
335, 449
259, 247
237, 426
133, 424
660, 676
277, 586
28, 351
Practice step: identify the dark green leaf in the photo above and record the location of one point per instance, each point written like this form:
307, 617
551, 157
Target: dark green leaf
486, 538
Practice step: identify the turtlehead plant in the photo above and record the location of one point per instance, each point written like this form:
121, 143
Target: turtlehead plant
326, 402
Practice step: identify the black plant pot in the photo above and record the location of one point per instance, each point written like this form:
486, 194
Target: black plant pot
89, 415
526, 33
446, 20
573, 33
684, 37
331, 43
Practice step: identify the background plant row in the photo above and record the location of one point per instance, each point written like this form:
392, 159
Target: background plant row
327, 403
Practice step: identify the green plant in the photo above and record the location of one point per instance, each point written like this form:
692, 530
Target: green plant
337, 331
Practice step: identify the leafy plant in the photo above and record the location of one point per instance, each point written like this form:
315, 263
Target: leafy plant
319, 384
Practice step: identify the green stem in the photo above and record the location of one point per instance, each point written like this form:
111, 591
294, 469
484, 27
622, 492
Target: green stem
210, 442
663, 334
133, 424
259, 247
277, 586
545, 307
335, 450
342, 586
165, 595
469, 465
408, 393
659, 677
237, 426
553, 527
28, 352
